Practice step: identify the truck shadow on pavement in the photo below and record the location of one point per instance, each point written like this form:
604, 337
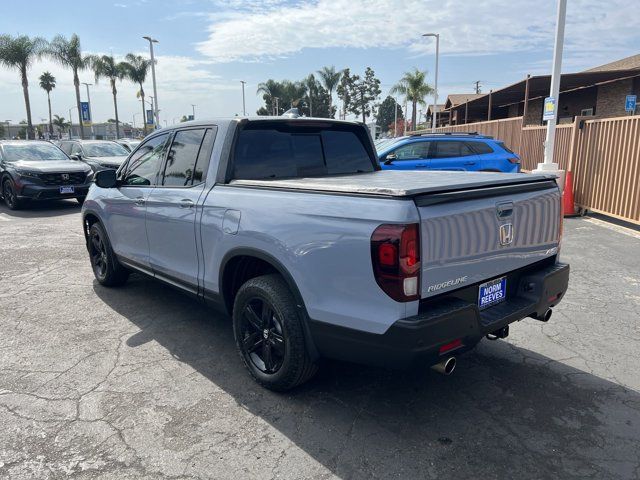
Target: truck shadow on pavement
507, 412
44, 208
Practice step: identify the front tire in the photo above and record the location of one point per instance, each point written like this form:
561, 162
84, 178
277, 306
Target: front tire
11, 200
269, 334
104, 263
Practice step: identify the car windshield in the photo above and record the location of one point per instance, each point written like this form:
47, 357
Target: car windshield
106, 149
383, 143
32, 152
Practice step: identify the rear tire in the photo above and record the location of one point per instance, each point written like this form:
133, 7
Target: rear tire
9, 194
106, 268
269, 334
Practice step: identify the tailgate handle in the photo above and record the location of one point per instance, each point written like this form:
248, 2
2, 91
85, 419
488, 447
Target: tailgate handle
504, 210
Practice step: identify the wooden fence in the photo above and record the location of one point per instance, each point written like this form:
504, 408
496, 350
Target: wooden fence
604, 156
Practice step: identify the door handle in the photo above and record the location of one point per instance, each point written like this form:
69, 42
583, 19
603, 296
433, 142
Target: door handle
139, 201
186, 203
469, 163
421, 165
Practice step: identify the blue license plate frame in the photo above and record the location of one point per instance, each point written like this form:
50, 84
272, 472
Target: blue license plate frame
492, 292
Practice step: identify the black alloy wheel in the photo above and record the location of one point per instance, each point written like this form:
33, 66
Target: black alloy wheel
262, 336
9, 195
98, 253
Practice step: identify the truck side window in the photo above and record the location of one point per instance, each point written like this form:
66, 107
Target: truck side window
182, 156
204, 156
142, 169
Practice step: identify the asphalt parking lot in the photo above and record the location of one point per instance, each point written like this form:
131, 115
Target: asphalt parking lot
143, 382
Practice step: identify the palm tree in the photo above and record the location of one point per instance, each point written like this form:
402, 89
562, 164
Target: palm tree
106, 67
61, 124
330, 78
19, 53
68, 53
311, 86
136, 68
414, 87
48, 83
272, 90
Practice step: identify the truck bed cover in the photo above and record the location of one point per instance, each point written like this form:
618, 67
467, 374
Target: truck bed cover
394, 183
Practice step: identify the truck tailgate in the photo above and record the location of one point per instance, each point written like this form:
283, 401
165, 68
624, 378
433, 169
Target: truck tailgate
470, 236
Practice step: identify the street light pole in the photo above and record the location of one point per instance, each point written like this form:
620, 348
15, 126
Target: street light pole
156, 112
71, 120
395, 118
244, 110
90, 112
193, 111
555, 87
434, 114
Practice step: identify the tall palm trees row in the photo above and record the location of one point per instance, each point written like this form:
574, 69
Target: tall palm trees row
413, 86
282, 95
21, 51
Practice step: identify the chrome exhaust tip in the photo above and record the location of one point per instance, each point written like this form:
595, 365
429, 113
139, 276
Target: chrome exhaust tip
545, 317
446, 366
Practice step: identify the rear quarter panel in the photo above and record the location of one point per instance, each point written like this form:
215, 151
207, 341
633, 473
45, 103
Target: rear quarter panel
322, 240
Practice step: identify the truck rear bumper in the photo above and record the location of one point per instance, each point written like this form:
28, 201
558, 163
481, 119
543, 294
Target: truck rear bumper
442, 320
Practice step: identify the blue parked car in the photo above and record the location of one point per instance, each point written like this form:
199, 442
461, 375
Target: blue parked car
448, 151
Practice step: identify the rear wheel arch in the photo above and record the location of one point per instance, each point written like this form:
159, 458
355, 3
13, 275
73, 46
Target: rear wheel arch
242, 264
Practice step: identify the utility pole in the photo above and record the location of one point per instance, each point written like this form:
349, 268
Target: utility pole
435, 87
90, 112
549, 165
395, 118
244, 110
193, 111
477, 84
156, 112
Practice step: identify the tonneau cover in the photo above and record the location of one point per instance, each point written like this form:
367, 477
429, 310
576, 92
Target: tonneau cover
396, 183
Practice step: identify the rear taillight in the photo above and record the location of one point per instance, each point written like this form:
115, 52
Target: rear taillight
513, 159
395, 255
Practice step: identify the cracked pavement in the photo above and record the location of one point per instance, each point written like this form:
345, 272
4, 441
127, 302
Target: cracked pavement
144, 382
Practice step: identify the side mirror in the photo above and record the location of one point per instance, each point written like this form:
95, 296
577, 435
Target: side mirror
106, 178
75, 156
388, 160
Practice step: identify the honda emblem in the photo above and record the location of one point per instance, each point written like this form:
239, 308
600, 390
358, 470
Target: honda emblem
65, 176
506, 234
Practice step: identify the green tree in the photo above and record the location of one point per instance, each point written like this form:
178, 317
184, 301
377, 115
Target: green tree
106, 67
330, 78
19, 53
386, 114
48, 83
414, 86
61, 124
68, 53
270, 90
137, 68
359, 94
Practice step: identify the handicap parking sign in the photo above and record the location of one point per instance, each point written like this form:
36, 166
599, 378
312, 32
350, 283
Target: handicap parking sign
630, 103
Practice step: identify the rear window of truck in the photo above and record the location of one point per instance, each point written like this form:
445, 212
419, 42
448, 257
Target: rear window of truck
290, 151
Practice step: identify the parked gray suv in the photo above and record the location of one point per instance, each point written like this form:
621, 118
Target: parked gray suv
290, 226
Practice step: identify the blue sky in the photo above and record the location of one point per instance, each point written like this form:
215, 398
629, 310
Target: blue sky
207, 47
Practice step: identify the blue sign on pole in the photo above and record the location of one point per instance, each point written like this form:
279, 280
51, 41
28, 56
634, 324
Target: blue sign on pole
86, 114
549, 109
149, 117
630, 103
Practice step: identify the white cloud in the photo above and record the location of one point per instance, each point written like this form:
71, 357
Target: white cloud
260, 30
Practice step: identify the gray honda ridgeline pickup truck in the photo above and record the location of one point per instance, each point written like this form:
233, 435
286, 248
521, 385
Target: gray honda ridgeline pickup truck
290, 226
